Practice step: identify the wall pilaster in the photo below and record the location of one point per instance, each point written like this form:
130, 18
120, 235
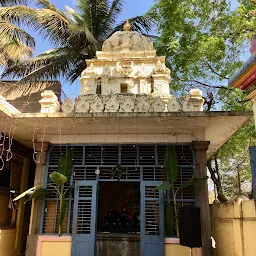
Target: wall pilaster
37, 204
203, 199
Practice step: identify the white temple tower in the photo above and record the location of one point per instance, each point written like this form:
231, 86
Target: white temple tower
128, 76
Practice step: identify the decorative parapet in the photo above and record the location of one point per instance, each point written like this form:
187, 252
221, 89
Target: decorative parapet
194, 102
68, 106
96, 103
49, 102
7, 108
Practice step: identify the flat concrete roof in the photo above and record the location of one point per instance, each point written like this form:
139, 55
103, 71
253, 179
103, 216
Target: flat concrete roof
93, 128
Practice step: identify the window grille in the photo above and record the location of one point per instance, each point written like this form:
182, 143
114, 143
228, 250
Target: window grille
142, 162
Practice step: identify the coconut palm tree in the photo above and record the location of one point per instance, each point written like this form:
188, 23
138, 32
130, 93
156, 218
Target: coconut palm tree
76, 35
15, 43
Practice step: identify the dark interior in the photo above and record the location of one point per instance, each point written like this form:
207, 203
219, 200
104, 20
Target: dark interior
119, 207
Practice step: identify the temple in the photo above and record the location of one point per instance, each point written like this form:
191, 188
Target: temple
119, 129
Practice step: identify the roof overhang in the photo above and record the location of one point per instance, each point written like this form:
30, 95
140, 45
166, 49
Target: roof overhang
174, 127
246, 75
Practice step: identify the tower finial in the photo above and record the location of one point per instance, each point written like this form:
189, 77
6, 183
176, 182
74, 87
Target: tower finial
127, 26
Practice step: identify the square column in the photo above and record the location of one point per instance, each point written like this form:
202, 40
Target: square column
203, 198
145, 88
37, 204
161, 84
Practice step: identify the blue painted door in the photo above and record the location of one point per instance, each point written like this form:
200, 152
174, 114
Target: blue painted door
84, 219
152, 220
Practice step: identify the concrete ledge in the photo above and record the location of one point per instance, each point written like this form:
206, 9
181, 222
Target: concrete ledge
133, 114
172, 240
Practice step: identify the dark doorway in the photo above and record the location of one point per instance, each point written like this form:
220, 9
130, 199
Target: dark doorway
118, 219
119, 207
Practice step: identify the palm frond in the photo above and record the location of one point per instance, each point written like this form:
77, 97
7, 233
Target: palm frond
18, 15
12, 90
52, 25
81, 37
141, 24
94, 13
77, 35
11, 33
61, 66
47, 66
15, 51
45, 4
2, 59
12, 2
78, 68
74, 16
115, 9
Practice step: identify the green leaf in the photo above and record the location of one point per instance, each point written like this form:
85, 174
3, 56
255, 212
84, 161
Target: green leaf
66, 163
193, 181
58, 178
171, 163
27, 192
119, 176
39, 191
163, 186
63, 207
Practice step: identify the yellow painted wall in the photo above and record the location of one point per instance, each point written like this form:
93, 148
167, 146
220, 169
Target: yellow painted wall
63, 248
7, 242
234, 228
176, 249
56, 248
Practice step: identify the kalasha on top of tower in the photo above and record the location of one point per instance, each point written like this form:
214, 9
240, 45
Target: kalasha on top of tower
127, 41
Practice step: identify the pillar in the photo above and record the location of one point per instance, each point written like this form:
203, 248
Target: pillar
21, 208
49, 102
36, 209
145, 88
203, 199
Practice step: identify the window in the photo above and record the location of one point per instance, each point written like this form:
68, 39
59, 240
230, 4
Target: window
98, 88
143, 162
124, 88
